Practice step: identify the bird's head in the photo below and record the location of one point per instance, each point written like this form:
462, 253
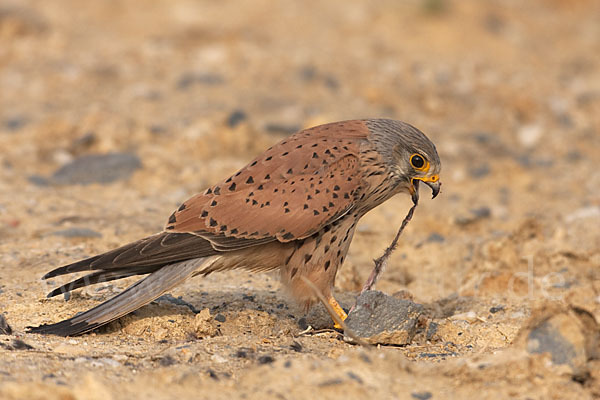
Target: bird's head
410, 155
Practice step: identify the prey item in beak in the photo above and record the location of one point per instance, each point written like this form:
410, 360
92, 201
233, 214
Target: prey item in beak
432, 181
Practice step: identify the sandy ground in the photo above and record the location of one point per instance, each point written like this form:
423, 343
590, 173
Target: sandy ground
506, 260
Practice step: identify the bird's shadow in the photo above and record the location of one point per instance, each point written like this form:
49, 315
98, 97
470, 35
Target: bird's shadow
274, 303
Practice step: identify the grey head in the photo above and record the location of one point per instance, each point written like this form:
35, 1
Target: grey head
409, 155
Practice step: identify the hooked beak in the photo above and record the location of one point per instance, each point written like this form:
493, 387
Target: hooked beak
432, 181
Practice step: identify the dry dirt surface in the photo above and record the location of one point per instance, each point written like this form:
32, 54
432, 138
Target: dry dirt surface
114, 112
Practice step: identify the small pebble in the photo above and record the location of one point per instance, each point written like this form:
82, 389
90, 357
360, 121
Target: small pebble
236, 118
220, 318
15, 123
296, 346
354, 377
421, 395
167, 361
265, 359
495, 309
212, 374
436, 238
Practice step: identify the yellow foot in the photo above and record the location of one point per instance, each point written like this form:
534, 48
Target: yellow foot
339, 311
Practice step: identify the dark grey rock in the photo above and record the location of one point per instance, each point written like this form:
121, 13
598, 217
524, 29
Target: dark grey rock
236, 117
382, 319
157, 130
5, 328
481, 212
267, 359
495, 309
14, 124
281, 129
421, 395
546, 338
76, 232
571, 337
220, 318
97, 168
436, 238
167, 361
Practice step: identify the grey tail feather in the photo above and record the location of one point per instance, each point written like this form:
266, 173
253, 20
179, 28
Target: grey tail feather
140, 293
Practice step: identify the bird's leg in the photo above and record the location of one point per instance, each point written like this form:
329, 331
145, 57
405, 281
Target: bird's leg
339, 311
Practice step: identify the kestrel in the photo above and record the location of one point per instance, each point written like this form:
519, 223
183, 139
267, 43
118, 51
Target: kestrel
294, 209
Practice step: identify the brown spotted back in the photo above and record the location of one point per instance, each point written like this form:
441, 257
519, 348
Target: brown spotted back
289, 192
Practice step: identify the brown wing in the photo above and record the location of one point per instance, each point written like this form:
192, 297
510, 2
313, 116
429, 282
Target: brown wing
289, 192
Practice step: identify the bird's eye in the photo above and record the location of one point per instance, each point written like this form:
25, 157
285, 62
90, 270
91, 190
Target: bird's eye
417, 161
